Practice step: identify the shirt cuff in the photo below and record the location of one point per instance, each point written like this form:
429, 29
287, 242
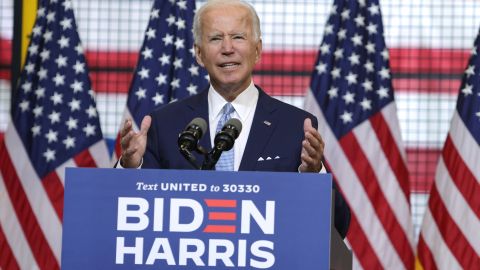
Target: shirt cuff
119, 164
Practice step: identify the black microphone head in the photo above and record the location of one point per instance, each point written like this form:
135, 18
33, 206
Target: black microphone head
234, 124
188, 138
200, 123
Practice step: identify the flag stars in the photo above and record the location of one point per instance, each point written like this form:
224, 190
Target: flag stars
35, 130
357, 40
157, 99
45, 54
182, 4
79, 49
171, 20
143, 73
66, 23
57, 98
69, 142
161, 79
27, 87
192, 89
24, 105
51, 16
328, 29
164, 59
51, 136
41, 12
470, 71
74, 105
150, 33
42, 73
384, 73
354, 59
193, 69
91, 111
178, 63
367, 85
335, 73
147, 53
154, 14
59, 79
385, 54
351, 78
372, 28
349, 97
33, 49
370, 47
167, 39
359, 20
79, 67
63, 42
40, 92
374, 10
54, 117
175, 83
89, 130
346, 117
179, 43
72, 123
345, 14
141, 93
47, 36
467, 90
76, 86
67, 5
368, 66
49, 155
366, 104
333, 92
61, 61
37, 30
325, 48
382, 92
38, 111
338, 53
180, 23
342, 34
321, 68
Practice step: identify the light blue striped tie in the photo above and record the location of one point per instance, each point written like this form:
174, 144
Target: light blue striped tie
225, 163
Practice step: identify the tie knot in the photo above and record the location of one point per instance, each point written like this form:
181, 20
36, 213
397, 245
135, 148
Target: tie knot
228, 109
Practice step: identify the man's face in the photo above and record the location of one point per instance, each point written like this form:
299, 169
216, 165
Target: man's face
228, 49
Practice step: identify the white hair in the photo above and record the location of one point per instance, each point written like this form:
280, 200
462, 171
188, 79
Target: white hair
197, 27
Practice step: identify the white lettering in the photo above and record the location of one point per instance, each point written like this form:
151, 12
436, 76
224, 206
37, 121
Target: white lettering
156, 254
124, 213
175, 225
267, 255
266, 224
215, 254
195, 255
137, 250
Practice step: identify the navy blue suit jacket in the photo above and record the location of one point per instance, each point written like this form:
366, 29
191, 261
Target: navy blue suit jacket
277, 130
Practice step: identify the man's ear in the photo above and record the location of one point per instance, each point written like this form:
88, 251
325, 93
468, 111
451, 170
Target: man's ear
198, 55
258, 51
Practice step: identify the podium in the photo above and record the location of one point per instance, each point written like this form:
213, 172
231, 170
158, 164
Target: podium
181, 219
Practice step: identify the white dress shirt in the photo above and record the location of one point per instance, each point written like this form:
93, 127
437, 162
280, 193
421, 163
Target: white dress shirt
244, 105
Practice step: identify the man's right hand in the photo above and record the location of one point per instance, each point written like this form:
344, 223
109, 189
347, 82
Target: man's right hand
133, 143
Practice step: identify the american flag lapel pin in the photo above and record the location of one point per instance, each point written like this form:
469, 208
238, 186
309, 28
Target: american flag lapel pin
267, 123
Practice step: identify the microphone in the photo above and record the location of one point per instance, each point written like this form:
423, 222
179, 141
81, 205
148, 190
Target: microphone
224, 141
188, 138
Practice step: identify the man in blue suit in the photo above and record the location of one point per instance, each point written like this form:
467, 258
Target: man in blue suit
275, 136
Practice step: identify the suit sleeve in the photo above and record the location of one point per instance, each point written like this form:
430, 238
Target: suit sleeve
342, 210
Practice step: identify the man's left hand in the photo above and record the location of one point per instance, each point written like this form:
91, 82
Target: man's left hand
312, 149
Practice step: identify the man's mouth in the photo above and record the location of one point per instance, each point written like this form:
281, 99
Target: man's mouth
229, 65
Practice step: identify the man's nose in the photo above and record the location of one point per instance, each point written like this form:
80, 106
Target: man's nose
227, 46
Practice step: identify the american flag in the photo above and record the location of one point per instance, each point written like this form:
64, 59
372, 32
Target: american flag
166, 69
450, 233
351, 93
54, 124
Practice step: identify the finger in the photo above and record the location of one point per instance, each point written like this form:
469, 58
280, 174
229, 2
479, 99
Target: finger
307, 125
126, 127
145, 125
126, 139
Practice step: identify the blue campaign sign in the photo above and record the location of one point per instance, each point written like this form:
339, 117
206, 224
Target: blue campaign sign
170, 219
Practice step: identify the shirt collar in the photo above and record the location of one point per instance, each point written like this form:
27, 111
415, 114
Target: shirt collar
243, 103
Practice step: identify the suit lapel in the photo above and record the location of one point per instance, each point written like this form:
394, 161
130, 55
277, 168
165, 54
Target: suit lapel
261, 131
199, 108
